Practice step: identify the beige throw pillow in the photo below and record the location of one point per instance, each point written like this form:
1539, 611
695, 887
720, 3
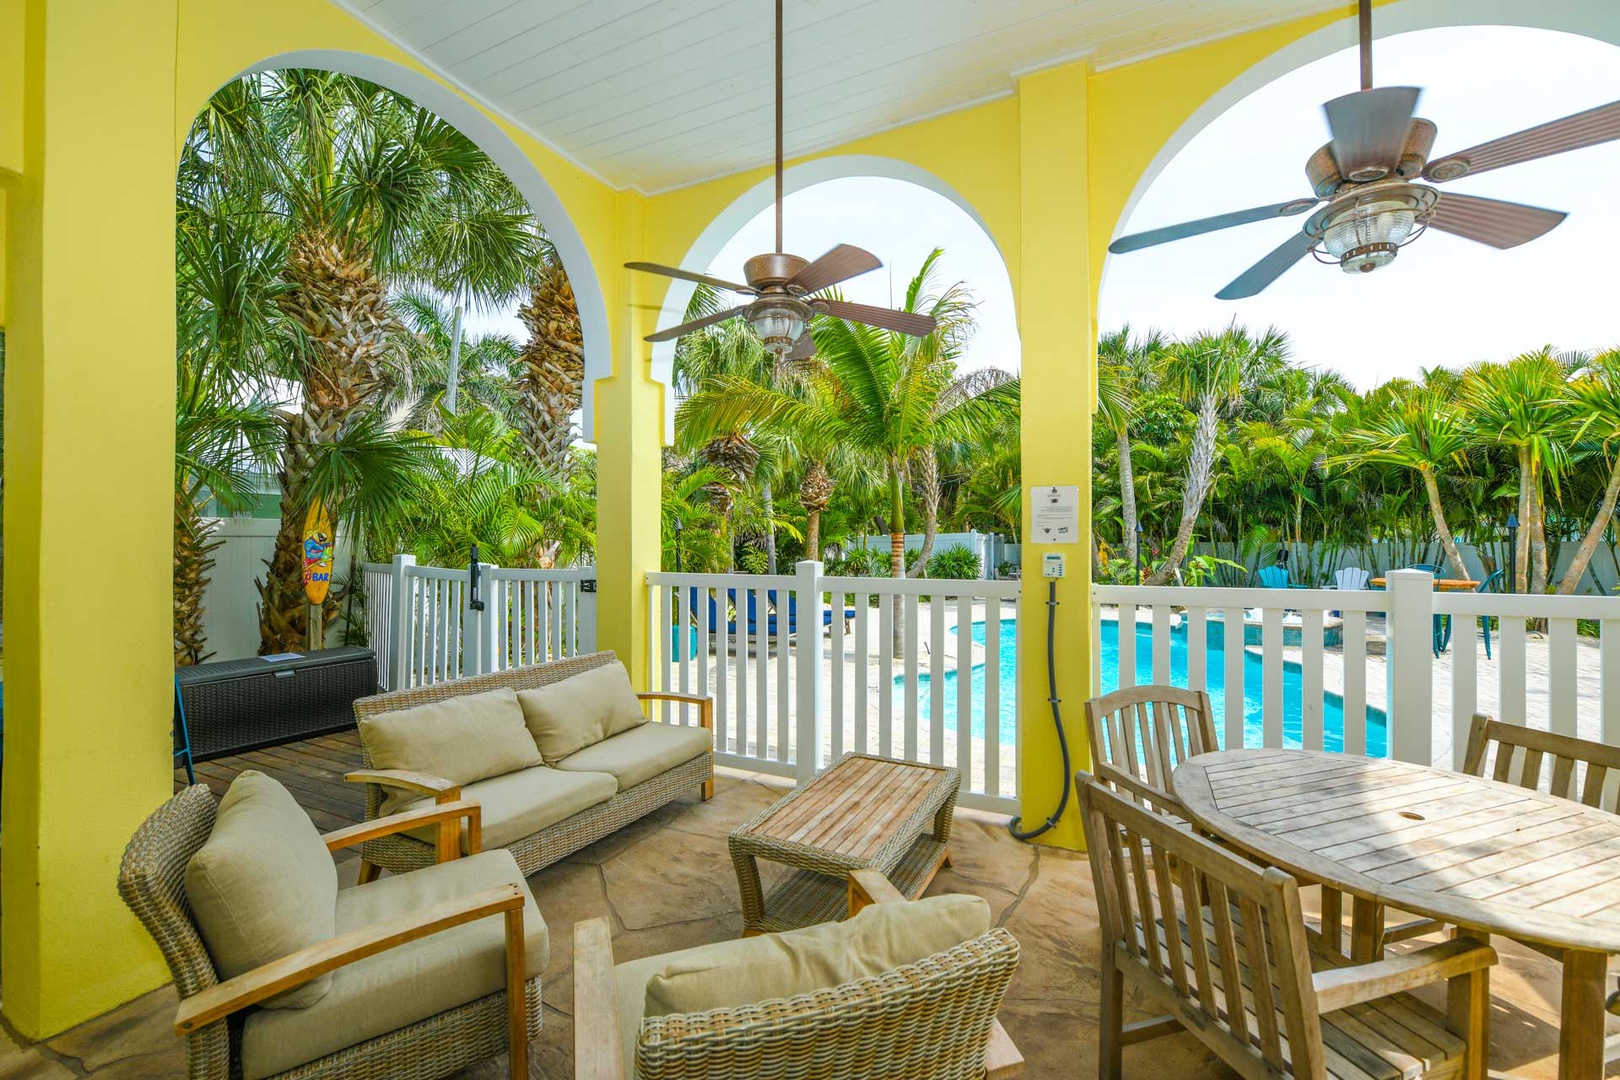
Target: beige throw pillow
263, 885
581, 710
462, 739
882, 937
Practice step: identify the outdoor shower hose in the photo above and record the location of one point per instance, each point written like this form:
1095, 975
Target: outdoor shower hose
1057, 719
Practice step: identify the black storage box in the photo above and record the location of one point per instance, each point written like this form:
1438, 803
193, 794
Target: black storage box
238, 705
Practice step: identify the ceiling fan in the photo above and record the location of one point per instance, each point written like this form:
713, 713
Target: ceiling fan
784, 285
1366, 180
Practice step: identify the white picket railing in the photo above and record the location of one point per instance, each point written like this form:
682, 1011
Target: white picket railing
424, 629
1306, 676
811, 661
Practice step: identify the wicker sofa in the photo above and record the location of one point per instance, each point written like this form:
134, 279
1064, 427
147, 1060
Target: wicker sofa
606, 805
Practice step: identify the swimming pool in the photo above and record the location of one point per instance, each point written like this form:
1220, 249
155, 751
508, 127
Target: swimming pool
1215, 668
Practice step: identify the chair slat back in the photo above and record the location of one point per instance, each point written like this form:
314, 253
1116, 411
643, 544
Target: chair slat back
1575, 769
1243, 973
1351, 578
1141, 733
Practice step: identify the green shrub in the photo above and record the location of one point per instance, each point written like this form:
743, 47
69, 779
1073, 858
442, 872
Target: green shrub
957, 563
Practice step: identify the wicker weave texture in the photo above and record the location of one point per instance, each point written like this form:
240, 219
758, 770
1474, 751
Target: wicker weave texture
925, 1021
401, 854
151, 880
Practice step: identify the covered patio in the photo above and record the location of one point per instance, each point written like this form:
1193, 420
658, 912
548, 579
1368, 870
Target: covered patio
668, 885
1047, 140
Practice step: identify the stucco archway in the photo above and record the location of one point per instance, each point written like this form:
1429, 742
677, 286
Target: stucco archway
489, 138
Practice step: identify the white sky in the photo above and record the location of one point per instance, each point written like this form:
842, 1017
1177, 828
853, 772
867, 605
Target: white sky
1445, 300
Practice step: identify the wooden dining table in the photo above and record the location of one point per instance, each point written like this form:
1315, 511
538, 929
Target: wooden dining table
1488, 856
1445, 584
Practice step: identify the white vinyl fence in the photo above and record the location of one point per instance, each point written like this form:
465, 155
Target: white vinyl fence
805, 667
1357, 671
426, 625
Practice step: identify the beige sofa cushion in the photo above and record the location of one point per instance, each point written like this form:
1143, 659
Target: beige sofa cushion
463, 739
405, 984
522, 803
882, 937
640, 753
263, 885
580, 710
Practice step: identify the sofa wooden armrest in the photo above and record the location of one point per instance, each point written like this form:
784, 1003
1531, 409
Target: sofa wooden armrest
705, 704
221, 1000
447, 816
1340, 987
441, 789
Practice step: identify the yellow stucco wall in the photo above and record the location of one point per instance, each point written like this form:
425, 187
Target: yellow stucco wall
89, 396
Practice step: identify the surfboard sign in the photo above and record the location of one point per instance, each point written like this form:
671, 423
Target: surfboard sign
319, 548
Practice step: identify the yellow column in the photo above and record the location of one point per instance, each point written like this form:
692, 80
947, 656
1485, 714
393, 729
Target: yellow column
1055, 323
629, 444
89, 447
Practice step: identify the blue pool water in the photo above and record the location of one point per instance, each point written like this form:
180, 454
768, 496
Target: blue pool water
1215, 669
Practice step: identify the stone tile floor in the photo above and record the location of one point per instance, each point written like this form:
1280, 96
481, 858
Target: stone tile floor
667, 883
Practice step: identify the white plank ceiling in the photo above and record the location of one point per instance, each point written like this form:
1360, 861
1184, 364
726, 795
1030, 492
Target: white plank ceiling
655, 94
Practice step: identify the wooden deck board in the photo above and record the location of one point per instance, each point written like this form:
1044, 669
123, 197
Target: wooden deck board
311, 769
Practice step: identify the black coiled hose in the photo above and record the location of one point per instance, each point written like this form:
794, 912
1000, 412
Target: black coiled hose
1057, 718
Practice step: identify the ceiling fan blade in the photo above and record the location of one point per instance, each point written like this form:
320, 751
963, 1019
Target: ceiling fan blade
906, 322
1151, 237
840, 264
1369, 130
1492, 221
804, 348
1268, 269
1588, 128
696, 324
688, 275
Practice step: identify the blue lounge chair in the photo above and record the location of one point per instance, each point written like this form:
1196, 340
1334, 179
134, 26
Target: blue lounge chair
1272, 577
793, 613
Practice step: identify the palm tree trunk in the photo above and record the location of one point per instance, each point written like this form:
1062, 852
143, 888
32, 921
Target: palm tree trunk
1431, 487
1538, 536
193, 559
897, 550
770, 525
1521, 554
815, 492
928, 494
1594, 535
1127, 491
1200, 470
812, 534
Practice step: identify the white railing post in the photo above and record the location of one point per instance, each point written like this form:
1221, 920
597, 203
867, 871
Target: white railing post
1409, 660
585, 614
810, 718
399, 640
483, 622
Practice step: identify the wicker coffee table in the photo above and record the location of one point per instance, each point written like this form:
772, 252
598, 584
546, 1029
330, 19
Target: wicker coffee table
859, 812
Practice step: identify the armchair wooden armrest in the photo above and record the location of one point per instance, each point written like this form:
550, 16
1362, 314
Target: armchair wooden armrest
705, 704
221, 1000
1339, 988
446, 815
597, 1045
441, 789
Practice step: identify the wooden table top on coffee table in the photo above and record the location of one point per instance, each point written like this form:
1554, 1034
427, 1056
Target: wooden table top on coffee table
859, 812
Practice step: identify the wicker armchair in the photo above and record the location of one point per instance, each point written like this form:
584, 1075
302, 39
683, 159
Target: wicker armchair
934, 1019
151, 879
400, 854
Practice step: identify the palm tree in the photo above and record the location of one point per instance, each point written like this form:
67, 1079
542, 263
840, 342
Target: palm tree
887, 398
368, 189
1597, 397
1423, 434
483, 366
551, 367
1210, 370
1122, 365
1525, 405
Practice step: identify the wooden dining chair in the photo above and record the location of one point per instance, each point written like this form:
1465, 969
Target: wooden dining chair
1224, 955
1141, 733
1574, 769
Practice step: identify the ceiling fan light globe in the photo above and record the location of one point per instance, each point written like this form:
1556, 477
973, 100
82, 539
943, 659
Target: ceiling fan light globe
778, 325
